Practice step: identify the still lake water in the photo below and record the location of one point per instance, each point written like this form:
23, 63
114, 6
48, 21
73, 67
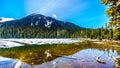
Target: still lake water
80, 55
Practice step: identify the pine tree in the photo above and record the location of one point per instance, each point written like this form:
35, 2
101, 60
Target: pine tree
114, 13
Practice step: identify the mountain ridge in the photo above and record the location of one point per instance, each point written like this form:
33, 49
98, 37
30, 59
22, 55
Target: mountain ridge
37, 26
40, 20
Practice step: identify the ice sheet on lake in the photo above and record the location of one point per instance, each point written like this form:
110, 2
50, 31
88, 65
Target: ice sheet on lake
6, 43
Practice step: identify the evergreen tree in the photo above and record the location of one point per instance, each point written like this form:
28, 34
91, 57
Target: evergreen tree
114, 13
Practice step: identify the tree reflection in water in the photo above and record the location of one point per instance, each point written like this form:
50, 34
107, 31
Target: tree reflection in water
84, 53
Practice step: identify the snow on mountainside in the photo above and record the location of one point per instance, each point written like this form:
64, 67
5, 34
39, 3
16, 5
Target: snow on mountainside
3, 19
48, 25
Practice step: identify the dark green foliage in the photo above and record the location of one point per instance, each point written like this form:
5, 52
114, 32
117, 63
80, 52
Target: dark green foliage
114, 13
38, 32
34, 32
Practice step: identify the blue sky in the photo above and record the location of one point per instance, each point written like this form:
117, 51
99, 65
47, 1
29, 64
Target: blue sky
85, 13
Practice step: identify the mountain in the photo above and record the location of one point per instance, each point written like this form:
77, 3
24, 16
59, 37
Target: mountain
38, 20
37, 26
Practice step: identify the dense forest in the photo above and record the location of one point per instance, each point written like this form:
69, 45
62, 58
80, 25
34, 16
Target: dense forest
37, 32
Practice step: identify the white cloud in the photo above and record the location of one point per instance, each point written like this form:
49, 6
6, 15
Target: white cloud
3, 19
54, 16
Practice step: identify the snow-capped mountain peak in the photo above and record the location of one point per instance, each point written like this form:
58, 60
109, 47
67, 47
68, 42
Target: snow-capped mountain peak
3, 19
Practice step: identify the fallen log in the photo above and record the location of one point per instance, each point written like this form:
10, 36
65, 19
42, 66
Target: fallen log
100, 61
18, 64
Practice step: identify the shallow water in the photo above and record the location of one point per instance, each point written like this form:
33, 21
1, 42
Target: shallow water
64, 56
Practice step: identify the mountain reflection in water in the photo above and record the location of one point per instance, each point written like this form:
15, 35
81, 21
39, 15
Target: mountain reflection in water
81, 56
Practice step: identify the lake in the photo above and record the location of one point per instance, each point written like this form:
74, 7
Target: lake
74, 55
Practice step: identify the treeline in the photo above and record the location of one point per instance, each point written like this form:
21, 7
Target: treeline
99, 33
37, 32
34, 32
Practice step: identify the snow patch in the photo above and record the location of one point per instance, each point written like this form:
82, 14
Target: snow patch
4, 59
36, 23
31, 24
9, 42
48, 24
3, 19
